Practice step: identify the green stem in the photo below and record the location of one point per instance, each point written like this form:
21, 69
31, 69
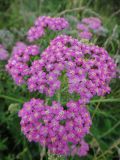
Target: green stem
95, 110
12, 98
105, 100
25, 145
92, 101
39, 150
58, 96
110, 130
46, 100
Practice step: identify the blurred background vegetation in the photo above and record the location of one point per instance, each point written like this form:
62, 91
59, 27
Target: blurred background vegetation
16, 17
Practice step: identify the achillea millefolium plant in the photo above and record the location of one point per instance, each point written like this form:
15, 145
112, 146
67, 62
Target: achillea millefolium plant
66, 68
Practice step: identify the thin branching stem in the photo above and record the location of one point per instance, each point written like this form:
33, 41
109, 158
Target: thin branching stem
78, 10
109, 100
110, 130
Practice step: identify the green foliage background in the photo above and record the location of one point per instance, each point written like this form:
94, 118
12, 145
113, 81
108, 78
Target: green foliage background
17, 16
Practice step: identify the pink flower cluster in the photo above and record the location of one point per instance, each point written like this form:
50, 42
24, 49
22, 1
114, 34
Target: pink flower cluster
87, 26
38, 30
89, 69
3, 53
17, 65
60, 130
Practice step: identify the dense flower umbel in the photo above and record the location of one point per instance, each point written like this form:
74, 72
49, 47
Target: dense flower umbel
38, 30
18, 63
88, 25
3, 53
61, 130
92, 22
89, 69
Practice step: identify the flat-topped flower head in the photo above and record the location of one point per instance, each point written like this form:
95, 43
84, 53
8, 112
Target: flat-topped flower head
56, 128
89, 26
43, 22
92, 22
17, 65
53, 23
88, 68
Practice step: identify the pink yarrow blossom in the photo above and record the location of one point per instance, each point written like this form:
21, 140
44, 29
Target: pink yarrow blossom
92, 22
56, 127
17, 65
41, 23
88, 26
88, 72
